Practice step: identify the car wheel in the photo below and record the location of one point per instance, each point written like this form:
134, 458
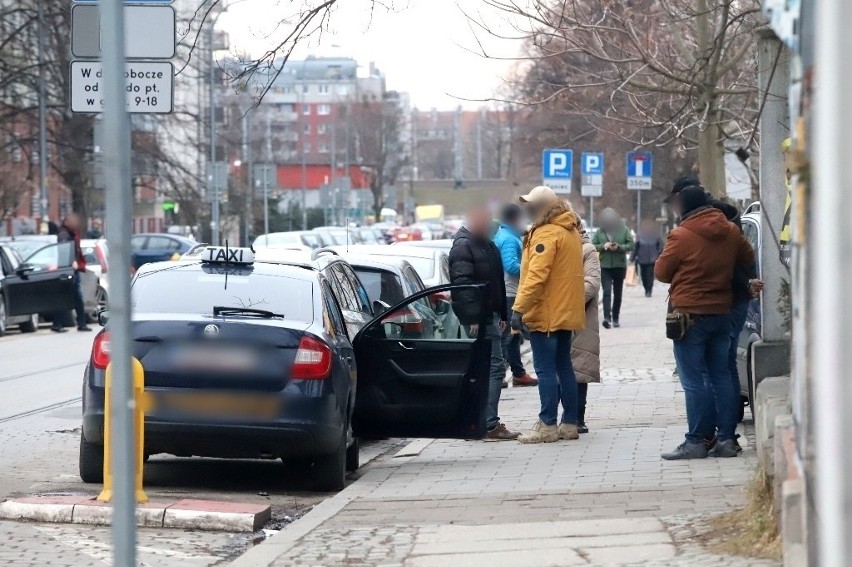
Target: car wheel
101, 301
330, 470
2, 316
30, 326
353, 455
91, 461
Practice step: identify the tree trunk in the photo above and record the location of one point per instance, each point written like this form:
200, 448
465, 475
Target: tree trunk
711, 160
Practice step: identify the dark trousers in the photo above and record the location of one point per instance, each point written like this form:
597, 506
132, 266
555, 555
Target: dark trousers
646, 271
612, 281
582, 395
512, 344
79, 306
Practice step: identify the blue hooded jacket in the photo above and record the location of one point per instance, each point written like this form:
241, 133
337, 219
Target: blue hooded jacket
508, 241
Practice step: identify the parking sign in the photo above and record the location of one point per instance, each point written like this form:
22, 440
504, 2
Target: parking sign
640, 171
591, 170
557, 169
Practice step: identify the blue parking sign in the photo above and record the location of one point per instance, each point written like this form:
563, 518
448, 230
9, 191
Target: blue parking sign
557, 169
592, 163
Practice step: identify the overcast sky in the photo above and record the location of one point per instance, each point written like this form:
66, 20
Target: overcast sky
423, 46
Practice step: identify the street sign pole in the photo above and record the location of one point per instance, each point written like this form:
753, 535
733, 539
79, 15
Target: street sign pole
591, 212
118, 221
214, 213
638, 208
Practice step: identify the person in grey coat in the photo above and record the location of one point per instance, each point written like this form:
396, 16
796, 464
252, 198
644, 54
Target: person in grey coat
648, 248
586, 346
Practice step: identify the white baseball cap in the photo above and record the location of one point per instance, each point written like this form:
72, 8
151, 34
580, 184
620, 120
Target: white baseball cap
540, 194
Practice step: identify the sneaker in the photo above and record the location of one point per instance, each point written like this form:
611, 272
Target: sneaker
85, 329
647, 294
500, 433
686, 450
569, 431
582, 428
616, 324
59, 329
710, 442
525, 380
725, 449
541, 433
606, 324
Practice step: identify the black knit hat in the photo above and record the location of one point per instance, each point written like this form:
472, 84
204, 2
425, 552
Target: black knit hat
682, 183
692, 198
510, 213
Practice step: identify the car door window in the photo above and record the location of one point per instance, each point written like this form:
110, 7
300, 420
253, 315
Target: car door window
138, 243
53, 256
162, 243
334, 322
361, 299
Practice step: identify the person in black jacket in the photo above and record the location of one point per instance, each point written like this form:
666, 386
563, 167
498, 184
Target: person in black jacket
648, 248
475, 259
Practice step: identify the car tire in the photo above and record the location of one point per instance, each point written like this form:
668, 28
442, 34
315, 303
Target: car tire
353, 455
30, 326
2, 315
330, 470
91, 462
101, 301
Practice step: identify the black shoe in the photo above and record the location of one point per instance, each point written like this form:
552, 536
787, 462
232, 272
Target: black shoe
59, 329
582, 427
647, 294
616, 324
725, 449
737, 443
710, 442
686, 450
606, 324
85, 329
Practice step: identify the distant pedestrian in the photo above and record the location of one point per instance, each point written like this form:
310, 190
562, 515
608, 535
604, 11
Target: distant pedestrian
508, 241
698, 261
475, 259
586, 344
96, 230
550, 302
649, 245
613, 241
70, 232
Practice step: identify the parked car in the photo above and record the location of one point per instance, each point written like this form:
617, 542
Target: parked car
28, 289
432, 264
369, 235
442, 244
338, 235
304, 238
157, 247
97, 254
753, 329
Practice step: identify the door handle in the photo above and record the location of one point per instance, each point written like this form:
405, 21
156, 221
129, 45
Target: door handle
405, 346
66, 277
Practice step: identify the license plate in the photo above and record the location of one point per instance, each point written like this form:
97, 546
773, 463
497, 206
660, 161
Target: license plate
216, 404
221, 359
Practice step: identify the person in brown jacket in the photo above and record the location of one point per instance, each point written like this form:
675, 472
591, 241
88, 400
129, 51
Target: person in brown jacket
698, 261
586, 344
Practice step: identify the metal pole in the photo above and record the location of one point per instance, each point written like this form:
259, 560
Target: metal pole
44, 210
830, 331
591, 212
479, 145
266, 179
638, 207
213, 181
304, 163
246, 163
331, 183
118, 219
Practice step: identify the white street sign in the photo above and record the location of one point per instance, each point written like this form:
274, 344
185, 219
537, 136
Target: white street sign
149, 32
149, 86
640, 171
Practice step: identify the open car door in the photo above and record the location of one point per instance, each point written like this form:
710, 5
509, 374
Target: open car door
417, 377
44, 282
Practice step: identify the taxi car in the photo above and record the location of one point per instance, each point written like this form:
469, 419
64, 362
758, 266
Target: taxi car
254, 359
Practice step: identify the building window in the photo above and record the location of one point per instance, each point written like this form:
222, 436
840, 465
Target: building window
306, 128
306, 88
343, 90
323, 148
322, 89
323, 109
322, 128
306, 147
306, 109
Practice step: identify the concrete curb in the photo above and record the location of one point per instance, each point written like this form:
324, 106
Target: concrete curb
187, 514
270, 550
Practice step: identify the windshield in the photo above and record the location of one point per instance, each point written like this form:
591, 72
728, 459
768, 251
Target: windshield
425, 266
199, 291
277, 239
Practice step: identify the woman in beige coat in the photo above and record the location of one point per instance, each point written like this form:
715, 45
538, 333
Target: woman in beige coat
586, 346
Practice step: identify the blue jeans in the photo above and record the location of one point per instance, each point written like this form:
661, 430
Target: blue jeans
512, 344
497, 371
739, 312
702, 359
556, 379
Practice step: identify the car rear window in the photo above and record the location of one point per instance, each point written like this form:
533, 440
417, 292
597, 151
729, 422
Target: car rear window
198, 291
381, 285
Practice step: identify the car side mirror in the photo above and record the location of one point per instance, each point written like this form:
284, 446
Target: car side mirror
380, 307
24, 269
103, 317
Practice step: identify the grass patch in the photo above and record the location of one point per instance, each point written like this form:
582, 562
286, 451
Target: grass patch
751, 531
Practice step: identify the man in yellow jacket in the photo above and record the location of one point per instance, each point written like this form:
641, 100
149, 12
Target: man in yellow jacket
551, 303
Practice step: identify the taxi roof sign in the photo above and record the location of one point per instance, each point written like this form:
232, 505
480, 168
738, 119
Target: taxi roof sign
227, 255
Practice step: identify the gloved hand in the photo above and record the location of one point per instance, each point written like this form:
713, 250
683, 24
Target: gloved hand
516, 322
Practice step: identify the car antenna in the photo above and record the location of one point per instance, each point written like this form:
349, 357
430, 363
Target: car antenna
226, 263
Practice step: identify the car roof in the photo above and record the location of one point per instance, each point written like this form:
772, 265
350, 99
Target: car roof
314, 260
395, 264
167, 235
293, 271
398, 250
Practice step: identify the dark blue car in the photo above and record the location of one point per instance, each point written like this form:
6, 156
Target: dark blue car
157, 247
247, 359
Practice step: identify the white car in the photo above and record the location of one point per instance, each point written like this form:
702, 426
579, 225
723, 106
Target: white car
431, 264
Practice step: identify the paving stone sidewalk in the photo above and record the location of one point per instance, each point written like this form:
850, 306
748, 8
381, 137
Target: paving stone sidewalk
607, 499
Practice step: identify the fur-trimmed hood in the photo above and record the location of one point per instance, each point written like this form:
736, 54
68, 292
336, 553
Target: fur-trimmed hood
559, 213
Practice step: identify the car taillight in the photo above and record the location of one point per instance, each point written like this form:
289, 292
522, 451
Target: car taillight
100, 351
313, 360
408, 320
439, 296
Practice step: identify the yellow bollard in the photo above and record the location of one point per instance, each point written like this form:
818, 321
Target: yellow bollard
139, 399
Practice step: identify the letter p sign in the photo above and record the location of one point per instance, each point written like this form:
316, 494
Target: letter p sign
556, 164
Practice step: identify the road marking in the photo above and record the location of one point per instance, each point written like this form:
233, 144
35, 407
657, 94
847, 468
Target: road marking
36, 372
42, 409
